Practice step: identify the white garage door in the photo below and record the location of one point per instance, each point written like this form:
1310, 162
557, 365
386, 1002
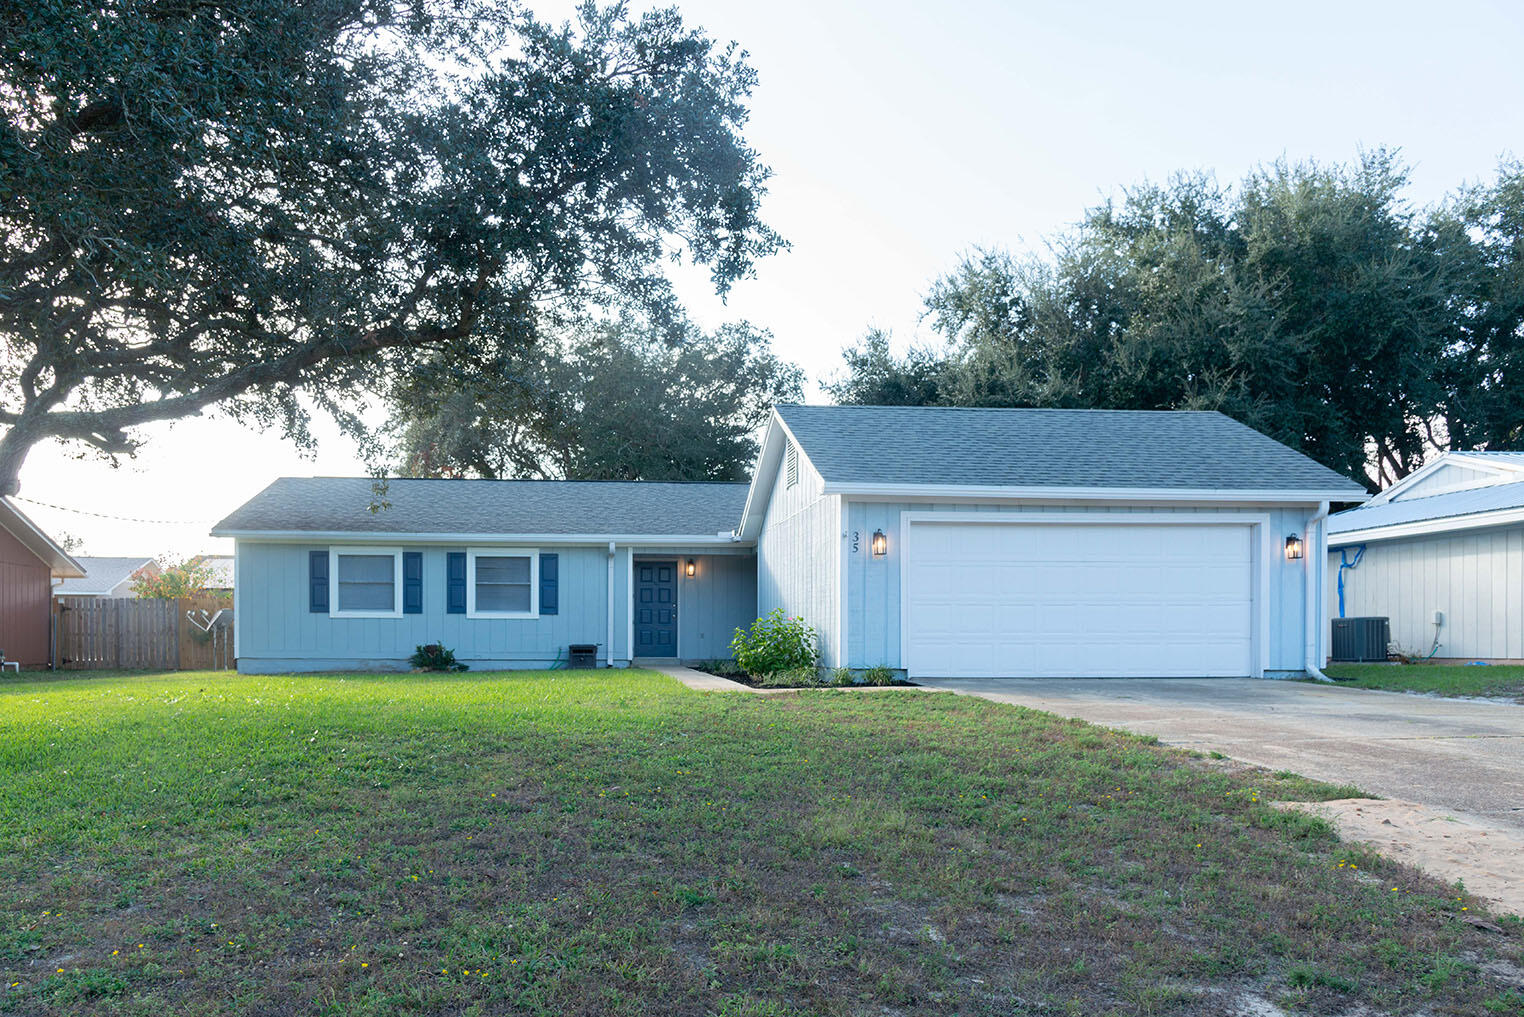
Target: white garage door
1079, 600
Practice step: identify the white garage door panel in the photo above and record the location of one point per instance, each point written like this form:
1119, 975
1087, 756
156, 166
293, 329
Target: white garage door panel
1079, 600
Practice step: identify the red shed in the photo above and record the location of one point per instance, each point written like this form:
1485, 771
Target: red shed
29, 562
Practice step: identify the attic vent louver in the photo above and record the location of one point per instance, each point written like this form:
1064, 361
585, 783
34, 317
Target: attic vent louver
791, 465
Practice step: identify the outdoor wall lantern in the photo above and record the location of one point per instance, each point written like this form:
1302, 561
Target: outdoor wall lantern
880, 544
1293, 547
690, 568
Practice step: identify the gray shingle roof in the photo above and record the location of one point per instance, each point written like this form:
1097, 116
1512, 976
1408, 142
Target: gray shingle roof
102, 575
1454, 505
1051, 448
342, 505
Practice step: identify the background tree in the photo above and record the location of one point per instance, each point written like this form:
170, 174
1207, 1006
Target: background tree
173, 579
608, 400
1310, 302
231, 202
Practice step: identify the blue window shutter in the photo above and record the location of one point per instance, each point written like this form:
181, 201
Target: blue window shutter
412, 582
550, 583
455, 572
317, 582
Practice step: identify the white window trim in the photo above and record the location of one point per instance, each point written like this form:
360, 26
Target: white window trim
532, 553
333, 581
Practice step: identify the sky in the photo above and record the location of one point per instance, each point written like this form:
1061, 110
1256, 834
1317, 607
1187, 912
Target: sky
904, 135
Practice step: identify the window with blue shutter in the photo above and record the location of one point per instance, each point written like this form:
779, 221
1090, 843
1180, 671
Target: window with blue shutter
455, 582
550, 583
412, 582
317, 582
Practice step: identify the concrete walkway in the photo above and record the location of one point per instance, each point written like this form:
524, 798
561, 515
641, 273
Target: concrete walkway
704, 681
1451, 755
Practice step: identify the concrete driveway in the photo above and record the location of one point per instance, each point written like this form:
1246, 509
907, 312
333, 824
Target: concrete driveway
1450, 755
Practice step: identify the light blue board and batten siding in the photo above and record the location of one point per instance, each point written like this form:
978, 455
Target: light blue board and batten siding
799, 556
718, 599
873, 584
277, 632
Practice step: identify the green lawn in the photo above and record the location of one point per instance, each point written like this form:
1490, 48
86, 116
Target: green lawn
595, 843
1442, 679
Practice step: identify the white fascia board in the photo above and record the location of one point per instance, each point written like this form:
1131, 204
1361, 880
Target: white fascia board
352, 536
767, 468
1277, 496
18, 524
761, 487
1421, 527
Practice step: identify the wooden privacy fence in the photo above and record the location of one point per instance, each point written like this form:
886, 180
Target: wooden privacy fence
149, 633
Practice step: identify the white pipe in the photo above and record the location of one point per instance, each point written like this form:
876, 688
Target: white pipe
608, 658
1314, 549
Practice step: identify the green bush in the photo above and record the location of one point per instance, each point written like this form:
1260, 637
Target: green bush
435, 657
774, 643
842, 676
880, 675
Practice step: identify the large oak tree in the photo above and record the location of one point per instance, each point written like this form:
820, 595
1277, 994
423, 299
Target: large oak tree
599, 400
265, 205
1310, 302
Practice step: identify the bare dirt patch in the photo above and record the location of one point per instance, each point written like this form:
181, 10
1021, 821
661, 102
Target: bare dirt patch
1488, 859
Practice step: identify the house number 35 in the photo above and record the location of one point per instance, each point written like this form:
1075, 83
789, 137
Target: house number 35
856, 539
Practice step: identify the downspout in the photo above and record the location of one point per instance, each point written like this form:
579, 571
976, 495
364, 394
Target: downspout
1315, 553
609, 659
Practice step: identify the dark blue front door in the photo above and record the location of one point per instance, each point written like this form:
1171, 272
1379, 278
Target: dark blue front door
656, 609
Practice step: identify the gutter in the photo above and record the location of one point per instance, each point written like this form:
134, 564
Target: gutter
1314, 553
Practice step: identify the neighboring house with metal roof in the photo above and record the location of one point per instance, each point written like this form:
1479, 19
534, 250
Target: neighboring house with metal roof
30, 563
105, 577
941, 542
1441, 555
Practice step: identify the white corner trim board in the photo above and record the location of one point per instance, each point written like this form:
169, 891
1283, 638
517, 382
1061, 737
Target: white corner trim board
1065, 594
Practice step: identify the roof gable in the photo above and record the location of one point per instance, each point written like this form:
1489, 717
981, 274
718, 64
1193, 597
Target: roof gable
1456, 471
102, 575
1459, 490
47, 550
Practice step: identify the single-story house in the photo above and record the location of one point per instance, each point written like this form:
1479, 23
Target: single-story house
1441, 555
220, 567
30, 563
935, 541
105, 577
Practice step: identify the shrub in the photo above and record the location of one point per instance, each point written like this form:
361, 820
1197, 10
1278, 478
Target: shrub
880, 675
435, 657
774, 643
842, 676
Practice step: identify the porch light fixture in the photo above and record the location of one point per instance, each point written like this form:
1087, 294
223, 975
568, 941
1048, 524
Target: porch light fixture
879, 544
690, 568
1293, 547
